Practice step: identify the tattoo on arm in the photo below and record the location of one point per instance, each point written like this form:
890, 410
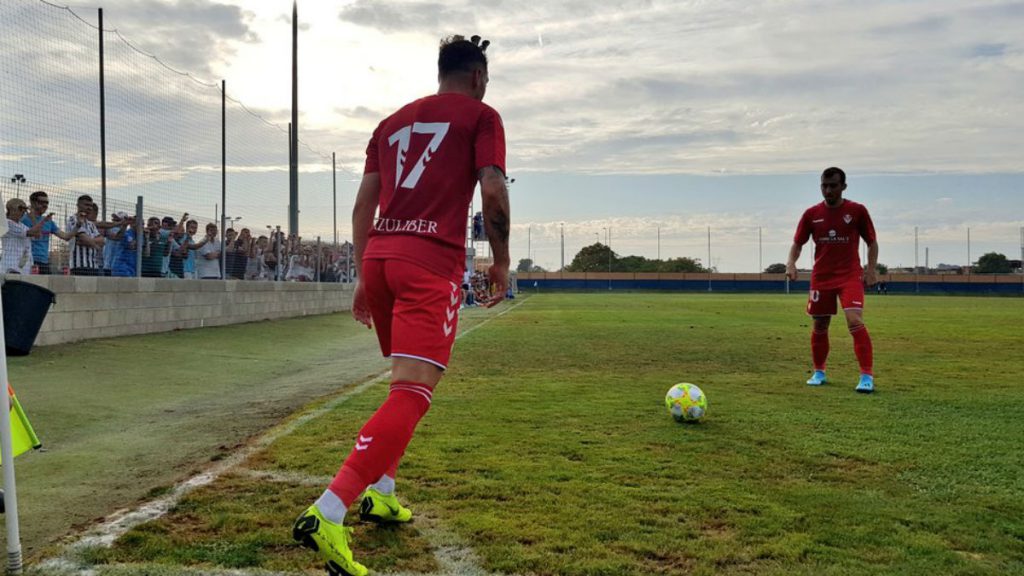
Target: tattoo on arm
490, 171
499, 225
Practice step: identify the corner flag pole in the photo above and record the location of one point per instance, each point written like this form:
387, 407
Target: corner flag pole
14, 564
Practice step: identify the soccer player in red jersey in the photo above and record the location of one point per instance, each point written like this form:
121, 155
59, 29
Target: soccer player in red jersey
422, 165
837, 226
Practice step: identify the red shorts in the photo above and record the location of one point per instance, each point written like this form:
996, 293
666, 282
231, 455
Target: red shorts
823, 302
415, 311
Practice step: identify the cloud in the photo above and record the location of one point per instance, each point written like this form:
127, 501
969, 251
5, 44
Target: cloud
988, 50
408, 16
190, 35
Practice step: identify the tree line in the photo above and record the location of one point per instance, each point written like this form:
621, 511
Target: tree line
601, 258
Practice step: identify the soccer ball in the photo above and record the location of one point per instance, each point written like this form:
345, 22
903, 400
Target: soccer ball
686, 402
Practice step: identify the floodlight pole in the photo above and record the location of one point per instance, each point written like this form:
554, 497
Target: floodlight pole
562, 225
917, 270
14, 563
609, 257
968, 251
223, 179
760, 252
293, 144
709, 258
334, 187
103, 129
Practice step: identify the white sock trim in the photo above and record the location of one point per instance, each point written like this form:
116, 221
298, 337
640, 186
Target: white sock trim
386, 485
422, 391
332, 508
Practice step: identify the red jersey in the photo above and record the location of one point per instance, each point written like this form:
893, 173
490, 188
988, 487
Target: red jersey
429, 154
837, 233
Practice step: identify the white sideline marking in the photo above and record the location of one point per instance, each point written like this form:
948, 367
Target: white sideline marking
454, 559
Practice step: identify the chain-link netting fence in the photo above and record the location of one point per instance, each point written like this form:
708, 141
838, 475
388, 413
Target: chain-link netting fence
86, 113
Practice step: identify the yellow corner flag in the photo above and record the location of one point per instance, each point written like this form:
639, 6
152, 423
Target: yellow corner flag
23, 437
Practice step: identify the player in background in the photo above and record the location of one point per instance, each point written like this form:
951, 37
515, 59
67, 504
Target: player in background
837, 226
422, 165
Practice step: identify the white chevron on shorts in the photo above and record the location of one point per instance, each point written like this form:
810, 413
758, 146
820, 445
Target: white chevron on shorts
452, 308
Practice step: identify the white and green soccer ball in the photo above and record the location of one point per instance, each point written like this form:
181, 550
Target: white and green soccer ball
686, 402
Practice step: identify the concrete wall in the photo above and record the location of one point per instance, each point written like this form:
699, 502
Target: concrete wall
106, 307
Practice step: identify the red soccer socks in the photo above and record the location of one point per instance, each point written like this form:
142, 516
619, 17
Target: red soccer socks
862, 348
819, 348
383, 440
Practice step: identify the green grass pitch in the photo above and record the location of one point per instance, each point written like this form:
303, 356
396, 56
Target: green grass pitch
548, 449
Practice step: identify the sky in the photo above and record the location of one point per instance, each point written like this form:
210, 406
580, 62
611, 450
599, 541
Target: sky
649, 123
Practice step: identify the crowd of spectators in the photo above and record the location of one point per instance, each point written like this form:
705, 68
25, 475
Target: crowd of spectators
476, 289
170, 248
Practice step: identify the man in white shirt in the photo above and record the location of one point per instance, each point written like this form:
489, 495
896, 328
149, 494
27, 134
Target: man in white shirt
208, 257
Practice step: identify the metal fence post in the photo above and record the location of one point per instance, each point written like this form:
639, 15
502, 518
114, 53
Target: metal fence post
138, 238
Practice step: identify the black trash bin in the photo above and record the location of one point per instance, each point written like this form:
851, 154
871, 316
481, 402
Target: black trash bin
25, 308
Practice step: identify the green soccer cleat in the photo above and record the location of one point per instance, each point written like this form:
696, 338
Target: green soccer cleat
382, 508
328, 539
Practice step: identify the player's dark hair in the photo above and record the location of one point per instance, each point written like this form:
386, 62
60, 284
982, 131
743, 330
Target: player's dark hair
35, 196
85, 198
459, 56
833, 171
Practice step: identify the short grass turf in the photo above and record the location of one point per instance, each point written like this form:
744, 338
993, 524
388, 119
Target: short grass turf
548, 449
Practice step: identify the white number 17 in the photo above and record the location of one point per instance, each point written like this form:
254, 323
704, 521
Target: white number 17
403, 136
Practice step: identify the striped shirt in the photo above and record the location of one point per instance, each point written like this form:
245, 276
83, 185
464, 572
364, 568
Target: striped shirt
83, 256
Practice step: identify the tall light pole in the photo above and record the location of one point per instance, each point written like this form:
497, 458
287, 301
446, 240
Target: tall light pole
334, 194
529, 240
917, 270
760, 251
18, 179
608, 230
968, 250
916, 251
659, 243
709, 258
562, 225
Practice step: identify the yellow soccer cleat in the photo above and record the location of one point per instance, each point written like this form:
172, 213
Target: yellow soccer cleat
328, 539
382, 508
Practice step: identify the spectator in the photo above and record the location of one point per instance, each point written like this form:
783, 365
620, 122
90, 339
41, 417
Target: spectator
123, 264
186, 248
270, 256
40, 203
257, 267
208, 257
298, 267
74, 223
242, 247
231, 255
112, 244
88, 242
176, 264
17, 243
155, 245
167, 227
